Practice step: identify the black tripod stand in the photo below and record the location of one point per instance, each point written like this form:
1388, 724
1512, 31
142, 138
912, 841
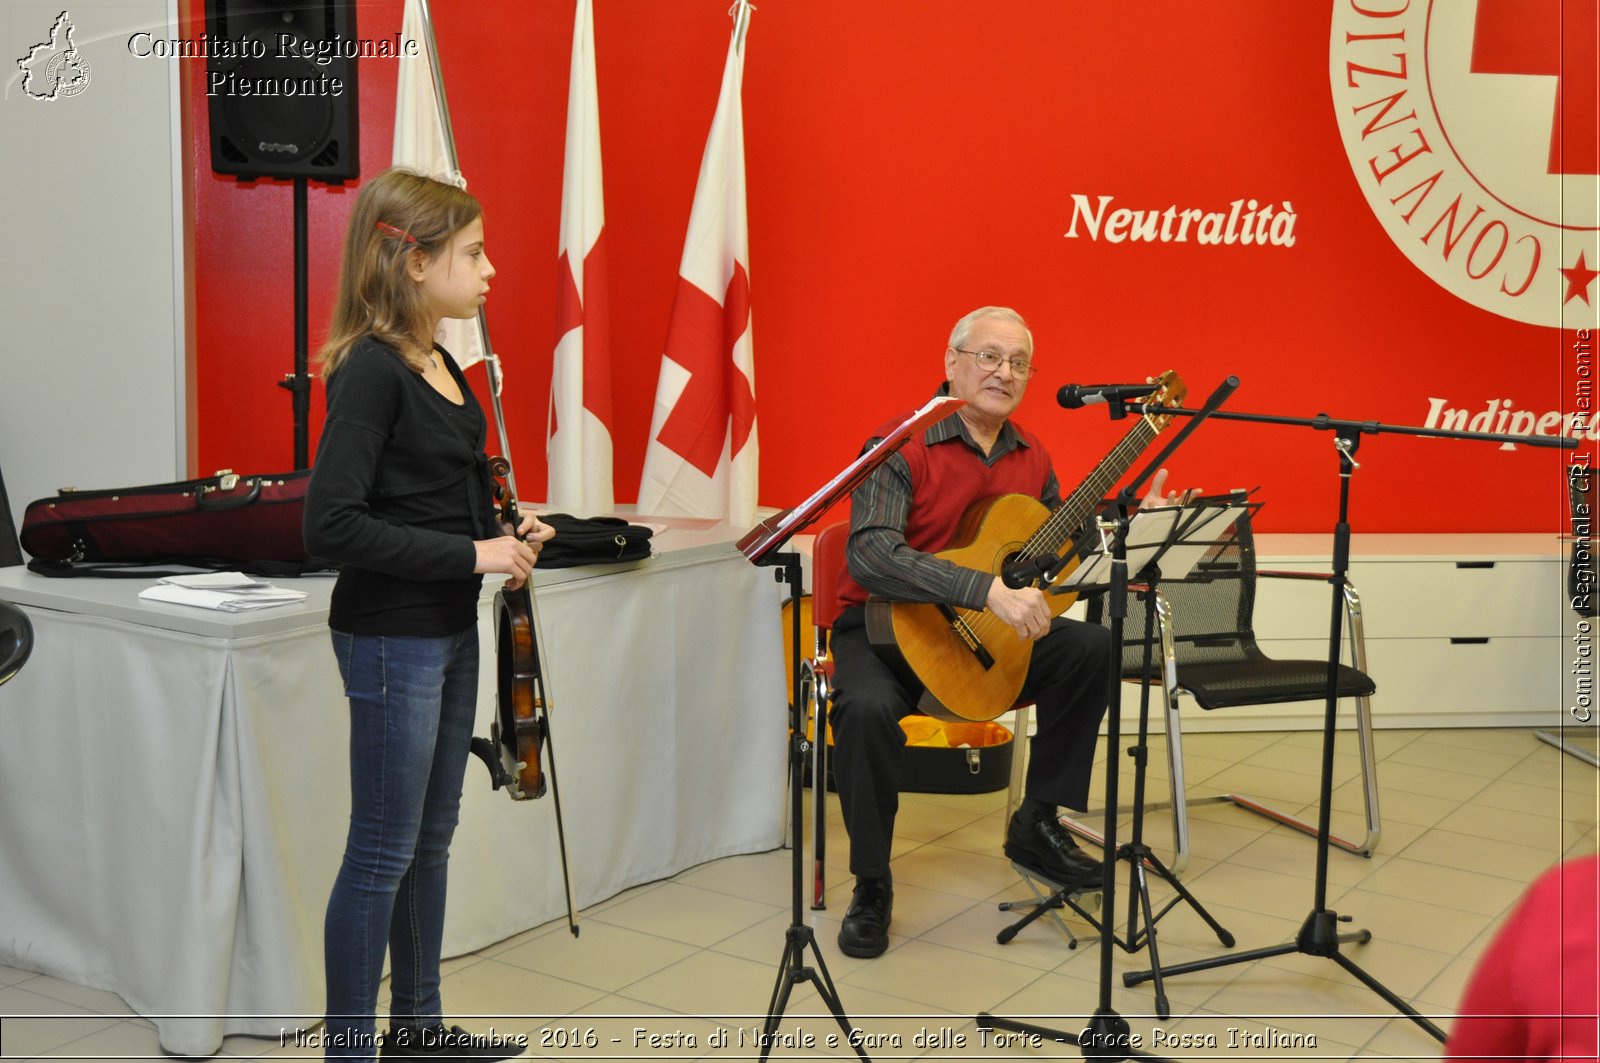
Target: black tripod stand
1319, 934
1142, 860
1108, 1035
793, 969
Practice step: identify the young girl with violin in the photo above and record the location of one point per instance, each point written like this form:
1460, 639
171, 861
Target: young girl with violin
401, 497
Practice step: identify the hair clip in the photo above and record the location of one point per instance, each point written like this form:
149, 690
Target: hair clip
396, 232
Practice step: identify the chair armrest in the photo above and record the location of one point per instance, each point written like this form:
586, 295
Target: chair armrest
1276, 573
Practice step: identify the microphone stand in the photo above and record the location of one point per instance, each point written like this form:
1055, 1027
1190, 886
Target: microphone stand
1108, 1036
1319, 935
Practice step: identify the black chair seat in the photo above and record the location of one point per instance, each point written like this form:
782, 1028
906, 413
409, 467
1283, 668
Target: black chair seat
1267, 682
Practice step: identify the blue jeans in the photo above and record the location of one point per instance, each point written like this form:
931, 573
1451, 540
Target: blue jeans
412, 704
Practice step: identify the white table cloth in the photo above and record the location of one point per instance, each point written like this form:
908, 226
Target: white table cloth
174, 782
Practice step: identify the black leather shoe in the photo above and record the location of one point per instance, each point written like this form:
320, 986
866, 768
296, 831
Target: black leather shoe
1043, 845
441, 1042
865, 932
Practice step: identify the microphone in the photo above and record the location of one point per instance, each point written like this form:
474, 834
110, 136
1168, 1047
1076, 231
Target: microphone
1075, 396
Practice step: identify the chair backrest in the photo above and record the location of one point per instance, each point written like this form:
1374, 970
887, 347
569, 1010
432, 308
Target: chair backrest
16, 640
1213, 619
827, 562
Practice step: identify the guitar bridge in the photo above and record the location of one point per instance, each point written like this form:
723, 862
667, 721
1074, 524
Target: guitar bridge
968, 637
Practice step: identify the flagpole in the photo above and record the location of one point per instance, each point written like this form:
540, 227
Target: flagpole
491, 361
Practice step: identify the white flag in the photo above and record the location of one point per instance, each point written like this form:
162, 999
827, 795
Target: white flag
700, 460
579, 440
419, 144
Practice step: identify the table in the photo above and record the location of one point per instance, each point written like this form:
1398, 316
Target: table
174, 781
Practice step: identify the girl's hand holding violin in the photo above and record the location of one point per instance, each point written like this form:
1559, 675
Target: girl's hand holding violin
514, 555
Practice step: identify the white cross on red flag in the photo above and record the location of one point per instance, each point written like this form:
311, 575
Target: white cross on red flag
579, 433
701, 457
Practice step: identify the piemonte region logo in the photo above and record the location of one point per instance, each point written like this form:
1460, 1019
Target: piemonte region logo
1471, 128
55, 69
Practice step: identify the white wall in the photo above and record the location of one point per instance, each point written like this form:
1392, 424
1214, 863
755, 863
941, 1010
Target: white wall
92, 364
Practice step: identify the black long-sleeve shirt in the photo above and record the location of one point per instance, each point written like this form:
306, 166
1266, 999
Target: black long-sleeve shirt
399, 492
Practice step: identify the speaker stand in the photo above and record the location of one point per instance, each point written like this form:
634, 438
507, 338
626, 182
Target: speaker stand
298, 383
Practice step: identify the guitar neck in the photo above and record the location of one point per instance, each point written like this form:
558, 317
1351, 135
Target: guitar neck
1069, 517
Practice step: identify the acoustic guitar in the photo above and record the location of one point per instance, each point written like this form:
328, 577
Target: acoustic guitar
971, 662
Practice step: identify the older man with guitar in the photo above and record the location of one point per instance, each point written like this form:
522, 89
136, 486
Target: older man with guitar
929, 625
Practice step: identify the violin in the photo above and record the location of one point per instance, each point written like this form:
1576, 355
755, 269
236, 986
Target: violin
519, 743
519, 729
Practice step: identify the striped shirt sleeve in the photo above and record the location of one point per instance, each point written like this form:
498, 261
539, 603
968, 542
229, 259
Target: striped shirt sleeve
882, 561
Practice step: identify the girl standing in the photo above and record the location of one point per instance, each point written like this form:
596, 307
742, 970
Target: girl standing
402, 500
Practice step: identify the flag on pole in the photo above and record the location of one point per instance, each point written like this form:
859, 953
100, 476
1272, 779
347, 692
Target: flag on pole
420, 145
700, 460
578, 440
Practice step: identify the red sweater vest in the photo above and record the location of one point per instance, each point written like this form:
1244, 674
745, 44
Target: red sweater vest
946, 479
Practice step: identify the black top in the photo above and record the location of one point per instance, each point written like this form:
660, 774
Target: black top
399, 492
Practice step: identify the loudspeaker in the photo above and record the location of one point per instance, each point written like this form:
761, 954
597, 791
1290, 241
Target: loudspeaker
281, 88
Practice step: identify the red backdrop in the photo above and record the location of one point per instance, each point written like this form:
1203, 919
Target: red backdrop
907, 161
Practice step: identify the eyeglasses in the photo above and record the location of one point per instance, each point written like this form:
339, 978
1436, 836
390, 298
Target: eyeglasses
989, 361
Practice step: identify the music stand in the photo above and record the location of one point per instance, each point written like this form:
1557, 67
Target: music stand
1161, 540
1108, 1035
1176, 538
760, 546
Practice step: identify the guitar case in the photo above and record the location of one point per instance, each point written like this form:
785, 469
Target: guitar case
947, 757
941, 756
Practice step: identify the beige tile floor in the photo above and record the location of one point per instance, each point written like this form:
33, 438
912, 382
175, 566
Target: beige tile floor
1470, 818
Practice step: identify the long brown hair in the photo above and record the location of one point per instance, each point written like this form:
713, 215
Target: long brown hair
396, 213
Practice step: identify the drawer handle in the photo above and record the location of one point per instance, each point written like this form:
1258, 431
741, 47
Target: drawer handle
1474, 564
1469, 642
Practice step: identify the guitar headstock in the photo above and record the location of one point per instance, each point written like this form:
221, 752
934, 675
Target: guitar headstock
1170, 390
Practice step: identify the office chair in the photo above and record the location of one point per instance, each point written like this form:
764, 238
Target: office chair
16, 640
1206, 647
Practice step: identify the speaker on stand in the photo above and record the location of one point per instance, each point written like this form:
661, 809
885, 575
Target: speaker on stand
283, 102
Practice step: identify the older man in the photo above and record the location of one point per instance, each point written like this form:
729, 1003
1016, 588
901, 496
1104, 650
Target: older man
909, 508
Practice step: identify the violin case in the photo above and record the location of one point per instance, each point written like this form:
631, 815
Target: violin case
226, 520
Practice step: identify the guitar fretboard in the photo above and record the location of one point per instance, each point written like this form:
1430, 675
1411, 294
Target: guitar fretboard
1072, 514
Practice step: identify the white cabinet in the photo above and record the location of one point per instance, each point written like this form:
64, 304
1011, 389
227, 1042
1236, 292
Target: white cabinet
1461, 630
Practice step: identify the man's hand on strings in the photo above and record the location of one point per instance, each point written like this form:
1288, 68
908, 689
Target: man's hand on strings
1021, 607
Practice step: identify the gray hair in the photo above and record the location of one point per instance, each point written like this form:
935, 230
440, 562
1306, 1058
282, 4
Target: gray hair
963, 329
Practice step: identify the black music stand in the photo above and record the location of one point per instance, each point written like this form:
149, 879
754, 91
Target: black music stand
1319, 934
1108, 1035
760, 545
1181, 536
